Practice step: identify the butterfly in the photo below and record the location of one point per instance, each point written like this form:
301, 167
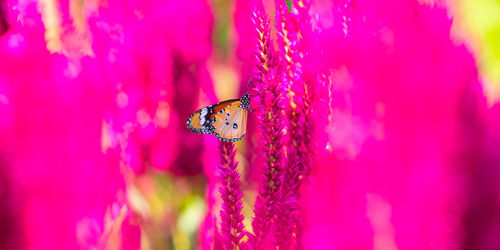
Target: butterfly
227, 120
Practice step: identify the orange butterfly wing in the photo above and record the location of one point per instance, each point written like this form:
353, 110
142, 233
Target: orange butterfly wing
231, 124
217, 108
227, 120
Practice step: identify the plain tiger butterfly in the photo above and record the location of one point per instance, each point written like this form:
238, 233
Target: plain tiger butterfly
227, 120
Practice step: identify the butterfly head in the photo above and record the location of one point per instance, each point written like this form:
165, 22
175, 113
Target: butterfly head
245, 101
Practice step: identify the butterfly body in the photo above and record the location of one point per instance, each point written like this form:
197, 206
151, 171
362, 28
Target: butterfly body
226, 120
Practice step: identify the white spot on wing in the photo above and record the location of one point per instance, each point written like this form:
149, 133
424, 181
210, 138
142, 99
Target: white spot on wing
204, 112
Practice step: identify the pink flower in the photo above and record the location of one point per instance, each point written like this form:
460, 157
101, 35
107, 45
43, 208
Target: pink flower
232, 228
268, 79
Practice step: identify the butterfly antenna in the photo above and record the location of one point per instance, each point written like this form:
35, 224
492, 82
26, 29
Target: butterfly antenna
251, 80
248, 83
257, 109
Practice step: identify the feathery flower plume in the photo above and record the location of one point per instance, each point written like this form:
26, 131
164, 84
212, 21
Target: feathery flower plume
264, 51
271, 118
286, 222
293, 52
271, 125
294, 35
232, 228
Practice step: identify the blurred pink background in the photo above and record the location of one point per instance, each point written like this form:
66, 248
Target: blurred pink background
94, 152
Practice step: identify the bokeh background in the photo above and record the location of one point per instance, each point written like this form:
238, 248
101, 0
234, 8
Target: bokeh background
95, 154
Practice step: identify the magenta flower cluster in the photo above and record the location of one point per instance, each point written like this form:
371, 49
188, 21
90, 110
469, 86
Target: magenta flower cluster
268, 79
231, 230
372, 125
285, 93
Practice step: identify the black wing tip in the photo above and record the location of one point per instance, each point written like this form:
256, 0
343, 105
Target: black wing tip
202, 130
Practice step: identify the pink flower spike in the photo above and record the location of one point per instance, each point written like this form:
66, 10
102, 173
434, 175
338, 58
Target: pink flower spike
232, 228
269, 78
295, 39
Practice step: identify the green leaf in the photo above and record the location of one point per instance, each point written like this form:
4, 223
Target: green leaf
289, 3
